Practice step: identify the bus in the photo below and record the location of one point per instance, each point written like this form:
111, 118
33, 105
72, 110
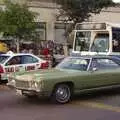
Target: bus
96, 38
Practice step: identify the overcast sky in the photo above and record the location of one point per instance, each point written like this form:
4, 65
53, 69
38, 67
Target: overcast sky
116, 0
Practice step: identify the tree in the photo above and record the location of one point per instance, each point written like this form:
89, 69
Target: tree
81, 10
17, 22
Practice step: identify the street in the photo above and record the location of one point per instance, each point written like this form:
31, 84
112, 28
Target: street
96, 106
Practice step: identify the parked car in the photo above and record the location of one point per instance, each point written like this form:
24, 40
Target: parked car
72, 76
15, 62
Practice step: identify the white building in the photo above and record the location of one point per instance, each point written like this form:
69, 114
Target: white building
52, 29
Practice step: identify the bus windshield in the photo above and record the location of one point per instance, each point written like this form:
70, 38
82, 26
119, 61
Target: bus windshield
82, 41
100, 43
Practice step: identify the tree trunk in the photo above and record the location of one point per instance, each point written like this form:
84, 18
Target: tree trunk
18, 45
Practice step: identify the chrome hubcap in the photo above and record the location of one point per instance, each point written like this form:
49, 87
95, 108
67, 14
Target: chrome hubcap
63, 94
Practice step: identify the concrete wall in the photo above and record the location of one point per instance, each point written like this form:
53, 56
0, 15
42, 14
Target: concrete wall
48, 11
49, 17
107, 15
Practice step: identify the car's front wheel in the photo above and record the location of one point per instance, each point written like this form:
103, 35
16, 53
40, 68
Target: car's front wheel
62, 94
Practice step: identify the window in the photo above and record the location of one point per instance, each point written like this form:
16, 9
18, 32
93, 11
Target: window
3, 58
14, 61
60, 33
82, 41
27, 59
101, 43
74, 64
104, 64
116, 39
41, 30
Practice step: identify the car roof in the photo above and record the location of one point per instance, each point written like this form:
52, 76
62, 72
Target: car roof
15, 54
22, 54
95, 56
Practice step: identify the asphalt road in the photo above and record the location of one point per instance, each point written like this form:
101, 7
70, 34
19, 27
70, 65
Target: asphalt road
95, 106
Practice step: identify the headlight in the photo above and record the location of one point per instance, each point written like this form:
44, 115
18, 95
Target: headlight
11, 80
36, 85
33, 84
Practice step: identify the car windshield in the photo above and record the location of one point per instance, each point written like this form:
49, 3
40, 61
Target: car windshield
74, 64
3, 58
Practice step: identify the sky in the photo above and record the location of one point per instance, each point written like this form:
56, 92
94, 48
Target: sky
116, 0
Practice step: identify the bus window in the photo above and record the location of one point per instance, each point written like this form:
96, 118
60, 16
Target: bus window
100, 43
82, 41
116, 39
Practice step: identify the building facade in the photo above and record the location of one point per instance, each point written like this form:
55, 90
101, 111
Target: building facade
50, 28
54, 28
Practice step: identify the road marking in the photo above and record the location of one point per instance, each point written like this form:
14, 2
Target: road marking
99, 106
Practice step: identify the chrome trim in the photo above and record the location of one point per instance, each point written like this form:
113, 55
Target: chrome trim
89, 64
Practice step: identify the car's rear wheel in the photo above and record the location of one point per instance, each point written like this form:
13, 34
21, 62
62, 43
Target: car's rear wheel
61, 94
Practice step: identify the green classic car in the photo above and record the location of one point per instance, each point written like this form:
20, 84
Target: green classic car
72, 76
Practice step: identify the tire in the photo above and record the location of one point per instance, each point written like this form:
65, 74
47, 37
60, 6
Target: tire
61, 94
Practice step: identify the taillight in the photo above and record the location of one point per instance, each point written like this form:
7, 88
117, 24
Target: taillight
44, 65
1, 69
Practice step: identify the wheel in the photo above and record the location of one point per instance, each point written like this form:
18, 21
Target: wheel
61, 94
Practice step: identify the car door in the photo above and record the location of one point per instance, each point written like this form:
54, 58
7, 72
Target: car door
13, 64
104, 72
80, 75
30, 63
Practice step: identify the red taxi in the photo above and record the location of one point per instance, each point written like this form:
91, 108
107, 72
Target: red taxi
16, 62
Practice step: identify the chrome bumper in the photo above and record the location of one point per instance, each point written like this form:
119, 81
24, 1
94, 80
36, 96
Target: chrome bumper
32, 92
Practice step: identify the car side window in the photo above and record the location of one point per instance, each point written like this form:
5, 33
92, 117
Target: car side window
27, 59
74, 64
101, 64
79, 64
14, 61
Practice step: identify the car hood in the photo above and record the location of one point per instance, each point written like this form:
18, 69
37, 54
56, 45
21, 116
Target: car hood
45, 74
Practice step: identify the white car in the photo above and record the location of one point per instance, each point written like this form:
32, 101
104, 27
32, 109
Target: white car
20, 62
